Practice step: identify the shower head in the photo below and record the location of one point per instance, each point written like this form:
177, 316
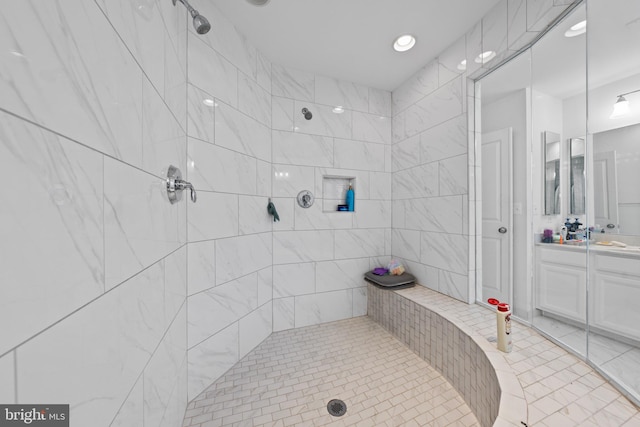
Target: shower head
200, 23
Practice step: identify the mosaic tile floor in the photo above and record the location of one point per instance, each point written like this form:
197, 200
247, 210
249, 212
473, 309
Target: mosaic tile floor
289, 379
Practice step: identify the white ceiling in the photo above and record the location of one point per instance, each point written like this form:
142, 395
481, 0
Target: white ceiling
351, 39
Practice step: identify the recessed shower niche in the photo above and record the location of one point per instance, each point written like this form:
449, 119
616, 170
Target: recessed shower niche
334, 191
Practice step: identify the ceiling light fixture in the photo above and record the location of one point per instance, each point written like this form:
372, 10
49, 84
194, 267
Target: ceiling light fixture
485, 57
404, 43
209, 102
577, 29
258, 2
621, 108
462, 66
339, 109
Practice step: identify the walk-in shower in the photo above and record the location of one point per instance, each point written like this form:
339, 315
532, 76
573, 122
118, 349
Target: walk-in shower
200, 23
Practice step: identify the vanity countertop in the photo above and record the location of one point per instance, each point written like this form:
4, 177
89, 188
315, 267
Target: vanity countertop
627, 252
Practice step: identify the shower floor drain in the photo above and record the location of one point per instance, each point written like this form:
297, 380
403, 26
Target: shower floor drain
337, 407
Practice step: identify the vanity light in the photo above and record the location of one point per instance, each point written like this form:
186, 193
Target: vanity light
485, 57
404, 43
621, 107
462, 66
338, 109
577, 29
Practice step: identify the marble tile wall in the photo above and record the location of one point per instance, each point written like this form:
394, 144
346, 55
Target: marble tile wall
433, 145
94, 273
319, 254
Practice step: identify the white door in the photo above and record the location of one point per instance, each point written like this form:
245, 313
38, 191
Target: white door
605, 188
497, 235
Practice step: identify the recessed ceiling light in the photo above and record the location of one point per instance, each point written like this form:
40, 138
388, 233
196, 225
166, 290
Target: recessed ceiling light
462, 65
404, 43
258, 2
485, 57
338, 109
209, 102
576, 30
17, 53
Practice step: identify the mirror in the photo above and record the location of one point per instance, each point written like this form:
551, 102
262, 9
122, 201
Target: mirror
551, 162
576, 176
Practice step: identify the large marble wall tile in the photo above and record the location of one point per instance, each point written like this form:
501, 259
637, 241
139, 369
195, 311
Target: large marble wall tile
119, 332
420, 84
445, 140
143, 32
213, 217
291, 83
420, 181
494, 30
302, 246
372, 214
241, 133
359, 243
253, 100
238, 256
371, 128
405, 154
516, 23
226, 39
164, 142
474, 47
213, 310
453, 175
425, 275
72, 74
324, 121
360, 301
340, 274
201, 266
286, 211
441, 105
212, 358
445, 251
540, 13
336, 92
175, 78
406, 244
289, 180
131, 414
254, 217
450, 61
263, 178
213, 168
454, 285
176, 27
163, 370
301, 149
362, 182
282, 113
175, 284
359, 155
323, 307
283, 314
200, 117
398, 219
56, 226
398, 132
174, 413
141, 226
211, 72
265, 285
315, 218
380, 186
294, 279
379, 102
7, 379
255, 328
264, 72
441, 214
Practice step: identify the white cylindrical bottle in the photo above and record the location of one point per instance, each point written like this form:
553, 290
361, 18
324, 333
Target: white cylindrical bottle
503, 316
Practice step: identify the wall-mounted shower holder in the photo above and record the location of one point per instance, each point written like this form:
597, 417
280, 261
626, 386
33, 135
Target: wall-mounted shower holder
175, 186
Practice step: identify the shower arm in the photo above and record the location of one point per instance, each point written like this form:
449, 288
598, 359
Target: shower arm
186, 4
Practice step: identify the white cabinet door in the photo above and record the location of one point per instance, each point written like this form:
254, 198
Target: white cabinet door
562, 290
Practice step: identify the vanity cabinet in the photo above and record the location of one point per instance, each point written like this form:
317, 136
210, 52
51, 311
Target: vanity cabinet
562, 275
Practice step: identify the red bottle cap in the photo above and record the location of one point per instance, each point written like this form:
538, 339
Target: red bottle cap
493, 301
503, 306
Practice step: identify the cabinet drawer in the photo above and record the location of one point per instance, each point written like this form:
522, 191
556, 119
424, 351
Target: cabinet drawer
620, 265
563, 257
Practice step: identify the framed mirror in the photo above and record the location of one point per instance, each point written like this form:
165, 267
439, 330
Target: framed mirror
551, 174
576, 176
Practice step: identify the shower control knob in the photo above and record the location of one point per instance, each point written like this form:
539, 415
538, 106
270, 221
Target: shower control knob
502, 230
176, 185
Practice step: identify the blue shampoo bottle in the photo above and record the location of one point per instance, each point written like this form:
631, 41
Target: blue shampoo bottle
350, 197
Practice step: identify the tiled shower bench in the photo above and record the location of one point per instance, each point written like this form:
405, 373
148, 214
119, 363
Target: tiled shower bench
538, 382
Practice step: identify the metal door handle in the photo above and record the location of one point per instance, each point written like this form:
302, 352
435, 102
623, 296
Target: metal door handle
502, 230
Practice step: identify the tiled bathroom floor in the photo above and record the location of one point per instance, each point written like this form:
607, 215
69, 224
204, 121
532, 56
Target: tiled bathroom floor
290, 377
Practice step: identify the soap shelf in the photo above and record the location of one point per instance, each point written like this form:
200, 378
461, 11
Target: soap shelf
334, 191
